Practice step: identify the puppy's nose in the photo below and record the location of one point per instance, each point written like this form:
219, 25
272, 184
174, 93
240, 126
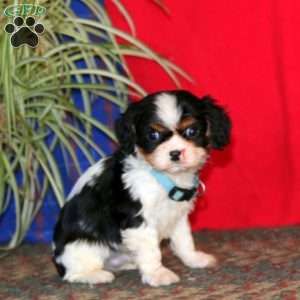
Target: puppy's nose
175, 155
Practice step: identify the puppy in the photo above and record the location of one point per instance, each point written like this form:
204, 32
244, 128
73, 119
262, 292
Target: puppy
122, 207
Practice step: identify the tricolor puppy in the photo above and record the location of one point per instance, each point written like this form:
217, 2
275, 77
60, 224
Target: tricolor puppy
122, 207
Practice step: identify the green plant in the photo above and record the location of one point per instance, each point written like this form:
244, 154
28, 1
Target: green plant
36, 99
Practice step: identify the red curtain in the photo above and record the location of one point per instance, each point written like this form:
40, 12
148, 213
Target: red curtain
246, 54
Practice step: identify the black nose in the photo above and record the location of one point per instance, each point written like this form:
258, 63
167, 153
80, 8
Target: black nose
175, 155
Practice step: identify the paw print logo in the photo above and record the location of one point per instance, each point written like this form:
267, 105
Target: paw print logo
24, 34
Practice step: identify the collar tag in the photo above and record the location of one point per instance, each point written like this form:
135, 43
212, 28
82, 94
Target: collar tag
180, 194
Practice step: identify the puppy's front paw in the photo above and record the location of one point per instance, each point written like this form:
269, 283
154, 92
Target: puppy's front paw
162, 276
200, 259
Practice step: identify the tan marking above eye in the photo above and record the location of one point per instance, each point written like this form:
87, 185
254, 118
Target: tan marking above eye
186, 122
158, 127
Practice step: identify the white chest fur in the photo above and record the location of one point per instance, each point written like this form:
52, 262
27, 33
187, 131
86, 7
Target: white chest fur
158, 210
166, 215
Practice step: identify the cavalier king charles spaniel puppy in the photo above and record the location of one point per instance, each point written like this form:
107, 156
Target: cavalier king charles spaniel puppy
123, 206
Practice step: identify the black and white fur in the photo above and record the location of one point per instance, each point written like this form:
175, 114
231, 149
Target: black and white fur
117, 213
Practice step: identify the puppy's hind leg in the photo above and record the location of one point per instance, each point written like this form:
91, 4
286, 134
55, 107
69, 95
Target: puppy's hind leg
83, 262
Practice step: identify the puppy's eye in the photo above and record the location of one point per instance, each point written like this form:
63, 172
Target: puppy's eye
191, 132
154, 135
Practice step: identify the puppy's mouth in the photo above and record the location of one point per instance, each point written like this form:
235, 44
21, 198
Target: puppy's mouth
177, 169
182, 167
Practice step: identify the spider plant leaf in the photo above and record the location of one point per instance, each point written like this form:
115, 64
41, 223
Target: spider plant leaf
104, 73
126, 16
12, 183
8, 93
102, 16
6, 199
85, 138
109, 132
2, 188
162, 6
66, 144
48, 88
138, 53
58, 193
134, 42
88, 119
53, 167
82, 147
45, 112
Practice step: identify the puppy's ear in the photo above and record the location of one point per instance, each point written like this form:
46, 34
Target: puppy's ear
125, 131
218, 121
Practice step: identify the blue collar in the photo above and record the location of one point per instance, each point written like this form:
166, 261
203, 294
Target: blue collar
174, 192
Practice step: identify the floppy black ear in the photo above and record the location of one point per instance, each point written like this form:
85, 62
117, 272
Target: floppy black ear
219, 124
125, 131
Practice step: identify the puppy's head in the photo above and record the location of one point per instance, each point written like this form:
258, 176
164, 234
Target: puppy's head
174, 130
